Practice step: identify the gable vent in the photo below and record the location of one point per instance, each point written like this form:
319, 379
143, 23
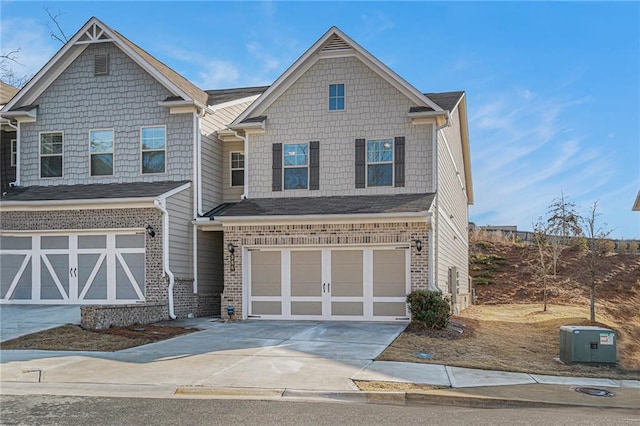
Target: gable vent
101, 65
334, 44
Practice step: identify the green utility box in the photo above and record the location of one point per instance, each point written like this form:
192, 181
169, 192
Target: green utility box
583, 343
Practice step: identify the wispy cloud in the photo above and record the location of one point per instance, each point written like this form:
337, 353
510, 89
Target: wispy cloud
525, 152
376, 22
30, 38
212, 73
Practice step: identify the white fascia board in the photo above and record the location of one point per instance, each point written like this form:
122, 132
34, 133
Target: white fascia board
430, 114
216, 107
254, 125
90, 204
209, 225
466, 151
322, 219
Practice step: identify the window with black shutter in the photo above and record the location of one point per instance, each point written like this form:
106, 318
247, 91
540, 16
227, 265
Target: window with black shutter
277, 167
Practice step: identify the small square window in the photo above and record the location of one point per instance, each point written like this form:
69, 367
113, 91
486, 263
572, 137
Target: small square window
336, 97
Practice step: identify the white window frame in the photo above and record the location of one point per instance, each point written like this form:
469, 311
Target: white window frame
14, 152
142, 151
112, 152
344, 97
235, 169
285, 167
368, 163
40, 155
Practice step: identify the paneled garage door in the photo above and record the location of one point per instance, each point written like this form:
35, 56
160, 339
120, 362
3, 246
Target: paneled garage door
339, 284
79, 268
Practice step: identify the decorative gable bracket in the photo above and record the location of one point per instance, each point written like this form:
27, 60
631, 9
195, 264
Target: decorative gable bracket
94, 34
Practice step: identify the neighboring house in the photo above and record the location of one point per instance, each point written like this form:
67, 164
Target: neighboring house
328, 195
356, 192
8, 144
636, 205
116, 155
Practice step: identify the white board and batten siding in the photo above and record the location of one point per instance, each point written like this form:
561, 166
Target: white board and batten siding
452, 207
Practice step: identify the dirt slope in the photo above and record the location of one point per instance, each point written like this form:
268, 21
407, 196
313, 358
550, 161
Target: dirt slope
504, 274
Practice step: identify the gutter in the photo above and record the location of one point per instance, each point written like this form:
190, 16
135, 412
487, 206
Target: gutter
245, 139
160, 204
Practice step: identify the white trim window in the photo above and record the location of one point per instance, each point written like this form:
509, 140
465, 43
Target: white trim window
153, 149
101, 152
380, 162
14, 152
237, 168
51, 153
296, 166
336, 97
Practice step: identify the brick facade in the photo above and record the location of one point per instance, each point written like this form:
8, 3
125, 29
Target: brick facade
155, 307
329, 235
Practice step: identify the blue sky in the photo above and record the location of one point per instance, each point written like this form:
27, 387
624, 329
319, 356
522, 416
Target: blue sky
553, 89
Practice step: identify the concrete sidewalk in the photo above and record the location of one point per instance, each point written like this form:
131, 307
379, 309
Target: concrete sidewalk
296, 359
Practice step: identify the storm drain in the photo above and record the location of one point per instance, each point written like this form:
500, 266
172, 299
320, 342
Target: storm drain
594, 392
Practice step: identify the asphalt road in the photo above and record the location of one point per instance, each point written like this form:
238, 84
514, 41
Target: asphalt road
63, 410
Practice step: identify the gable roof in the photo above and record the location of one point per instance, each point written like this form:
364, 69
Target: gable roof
333, 43
335, 205
95, 31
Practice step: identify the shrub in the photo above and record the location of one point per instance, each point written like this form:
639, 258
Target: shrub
622, 247
429, 308
633, 247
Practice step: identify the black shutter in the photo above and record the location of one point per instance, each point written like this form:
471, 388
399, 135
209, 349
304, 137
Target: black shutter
277, 167
314, 165
360, 163
398, 145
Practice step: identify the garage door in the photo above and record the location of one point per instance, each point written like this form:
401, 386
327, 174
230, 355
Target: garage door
368, 284
79, 268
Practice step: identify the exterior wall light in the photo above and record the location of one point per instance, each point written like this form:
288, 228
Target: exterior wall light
231, 248
232, 258
419, 245
150, 231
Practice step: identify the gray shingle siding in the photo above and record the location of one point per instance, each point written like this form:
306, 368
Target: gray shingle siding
124, 100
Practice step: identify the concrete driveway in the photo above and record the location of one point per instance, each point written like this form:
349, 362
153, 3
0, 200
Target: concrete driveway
19, 320
308, 355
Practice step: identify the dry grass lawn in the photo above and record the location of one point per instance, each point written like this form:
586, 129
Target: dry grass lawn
75, 338
518, 338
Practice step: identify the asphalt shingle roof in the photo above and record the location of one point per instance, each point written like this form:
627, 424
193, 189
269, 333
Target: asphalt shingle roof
358, 204
89, 192
445, 100
227, 95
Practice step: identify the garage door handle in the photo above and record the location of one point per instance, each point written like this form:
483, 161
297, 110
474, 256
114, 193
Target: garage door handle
328, 287
73, 272
323, 284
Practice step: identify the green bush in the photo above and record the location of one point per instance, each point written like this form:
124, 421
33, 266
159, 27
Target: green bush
429, 308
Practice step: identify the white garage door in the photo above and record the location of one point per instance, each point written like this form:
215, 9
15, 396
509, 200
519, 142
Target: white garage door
368, 284
79, 268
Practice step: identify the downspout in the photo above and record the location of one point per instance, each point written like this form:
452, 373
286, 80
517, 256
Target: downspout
197, 196
17, 127
245, 139
160, 205
432, 261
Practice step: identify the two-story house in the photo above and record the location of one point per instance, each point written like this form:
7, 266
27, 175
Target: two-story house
356, 192
329, 195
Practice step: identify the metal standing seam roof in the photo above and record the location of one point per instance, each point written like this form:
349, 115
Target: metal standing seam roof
336, 205
94, 191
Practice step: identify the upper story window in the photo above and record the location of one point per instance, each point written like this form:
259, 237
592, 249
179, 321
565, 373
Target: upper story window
296, 166
51, 154
101, 151
237, 168
336, 97
14, 152
153, 147
380, 162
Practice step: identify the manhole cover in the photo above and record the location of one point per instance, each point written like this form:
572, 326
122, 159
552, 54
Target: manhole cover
594, 392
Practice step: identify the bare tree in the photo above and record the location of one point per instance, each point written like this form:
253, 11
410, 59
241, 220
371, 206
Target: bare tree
596, 235
543, 255
56, 33
563, 223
